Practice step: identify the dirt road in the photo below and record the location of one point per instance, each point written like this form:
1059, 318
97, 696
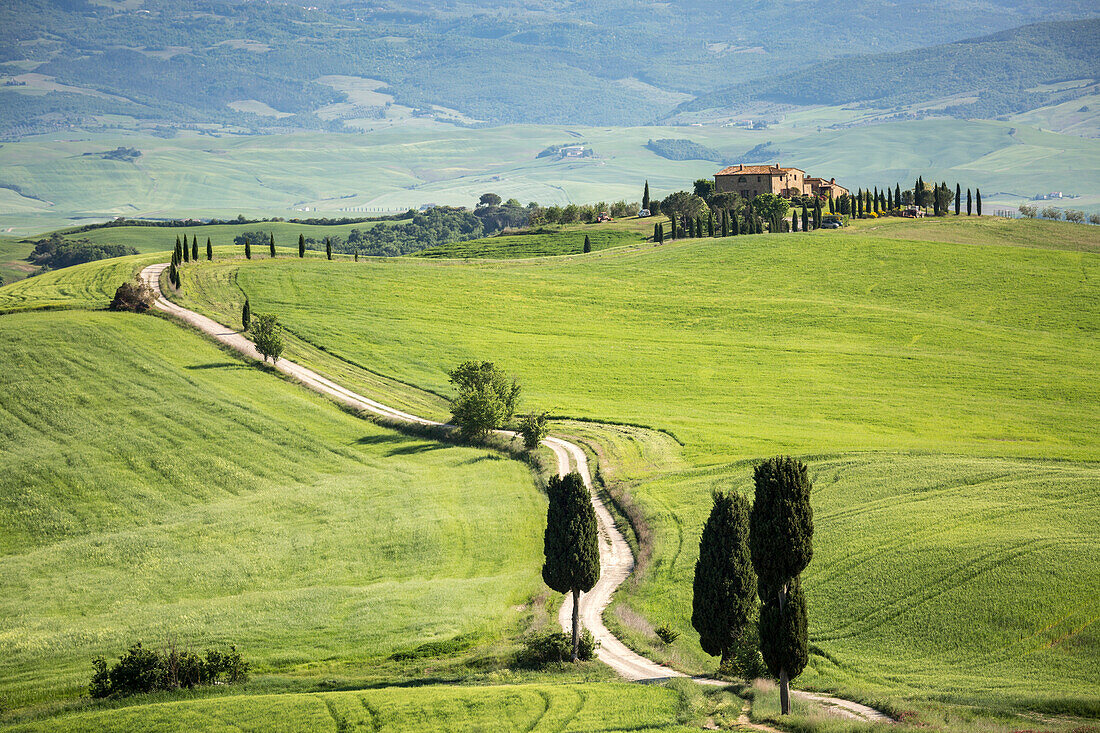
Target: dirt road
616, 558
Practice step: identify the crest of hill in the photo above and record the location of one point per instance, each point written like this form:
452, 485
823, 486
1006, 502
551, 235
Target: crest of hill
989, 76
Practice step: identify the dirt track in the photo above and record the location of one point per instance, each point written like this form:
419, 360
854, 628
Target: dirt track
616, 558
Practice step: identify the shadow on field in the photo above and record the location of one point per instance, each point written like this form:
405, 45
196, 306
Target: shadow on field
415, 448
382, 438
219, 365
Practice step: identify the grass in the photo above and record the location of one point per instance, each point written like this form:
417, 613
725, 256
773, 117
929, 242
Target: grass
567, 708
566, 240
155, 485
950, 428
401, 167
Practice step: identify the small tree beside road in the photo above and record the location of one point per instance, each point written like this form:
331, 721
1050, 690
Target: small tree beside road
486, 398
571, 543
267, 335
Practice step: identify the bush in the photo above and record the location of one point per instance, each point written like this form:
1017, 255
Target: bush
533, 429
541, 648
666, 633
135, 296
142, 670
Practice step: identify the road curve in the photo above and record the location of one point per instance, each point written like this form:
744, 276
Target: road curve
616, 558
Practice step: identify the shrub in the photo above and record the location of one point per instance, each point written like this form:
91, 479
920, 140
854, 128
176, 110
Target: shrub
541, 648
666, 633
533, 429
135, 296
142, 670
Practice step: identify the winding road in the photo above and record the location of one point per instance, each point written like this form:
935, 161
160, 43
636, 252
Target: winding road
616, 558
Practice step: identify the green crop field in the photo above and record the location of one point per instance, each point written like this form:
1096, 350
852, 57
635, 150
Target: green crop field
950, 429
155, 485
397, 168
539, 708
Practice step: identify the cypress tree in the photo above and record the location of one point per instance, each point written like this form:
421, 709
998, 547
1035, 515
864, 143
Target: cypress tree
660, 234
710, 224
247, 248
969, 203
172, 273
817, 214
645, 196
832, 204
794, 220
805, 218
209, 250
246, 316
735, 224
357, 255
587, 244
724, 589
186, 250
571, 543
699, 226
725, 223
781, 528
328, 248
301, 245
958, 199
194, 248
859, 206
874, 198
271, 244
978, 201
897, 194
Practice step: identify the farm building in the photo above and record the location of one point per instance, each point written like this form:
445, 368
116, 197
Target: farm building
752, 180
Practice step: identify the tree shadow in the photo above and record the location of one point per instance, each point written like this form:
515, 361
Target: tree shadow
218, 365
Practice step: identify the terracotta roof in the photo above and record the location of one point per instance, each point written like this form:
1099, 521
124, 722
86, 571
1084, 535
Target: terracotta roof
739, 169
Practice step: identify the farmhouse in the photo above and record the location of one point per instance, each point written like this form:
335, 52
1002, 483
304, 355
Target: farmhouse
752, 180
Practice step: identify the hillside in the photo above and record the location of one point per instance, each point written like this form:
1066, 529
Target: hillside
339, 65
930, 408
985, 77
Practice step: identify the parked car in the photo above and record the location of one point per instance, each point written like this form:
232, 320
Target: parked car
643, 213
831, 222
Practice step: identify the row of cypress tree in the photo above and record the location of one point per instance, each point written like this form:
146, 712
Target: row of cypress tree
938, 197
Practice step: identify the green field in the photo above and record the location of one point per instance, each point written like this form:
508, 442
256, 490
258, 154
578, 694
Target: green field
155, 485
568, 240
397, 168
951, 429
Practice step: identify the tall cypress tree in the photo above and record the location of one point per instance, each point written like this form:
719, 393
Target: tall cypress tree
969, 203
587, 245
978, 201
645, 196
328, 248
186, 250
271, 244
247, 248
209, 250
875, 199
735, 224
194, 248
817, 213
805, 218
832, 204
781, 528
859, 206
699, 227
246, 315
897, 194
958, 198
724, 589
794, 220
660, 234
710, 224
571, 543
301, 245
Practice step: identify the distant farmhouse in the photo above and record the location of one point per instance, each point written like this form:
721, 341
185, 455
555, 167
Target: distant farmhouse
752, 180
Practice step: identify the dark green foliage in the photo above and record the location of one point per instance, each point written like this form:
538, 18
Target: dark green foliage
666, 633
942, 199
541, 648
783, 637
859, 206
805, 219
328, 247
301, 245
533, 429
897, 194
271, 245
645, 196
186, 250
177, 253
248, 249
817, 214
56, 252
703, 188
794, 220
267, 335
681, 149
969, 203
587, 244
173, 275
194, 249
246, 315
143, 670
958, 199
486, 398
209, 250
135, 296
724, 589
978, 201
710, 224
571, 543
660, 234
